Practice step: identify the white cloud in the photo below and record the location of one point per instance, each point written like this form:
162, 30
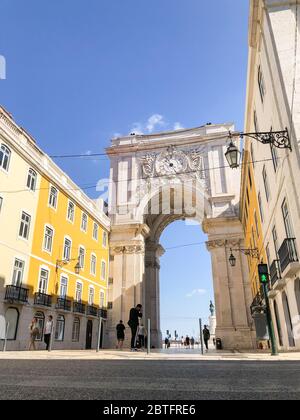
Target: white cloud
137, 128
196, 292
156, 120
178, 126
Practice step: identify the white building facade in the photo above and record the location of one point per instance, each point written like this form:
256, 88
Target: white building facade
273, 103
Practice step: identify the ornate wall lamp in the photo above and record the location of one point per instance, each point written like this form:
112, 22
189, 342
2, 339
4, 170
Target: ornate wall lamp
62, 263
253, 253
278, 139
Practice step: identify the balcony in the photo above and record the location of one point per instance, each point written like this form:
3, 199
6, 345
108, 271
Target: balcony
41, 299
92, 311
78, 308
16, 294
63, 305
102, 313
277, 282
288, 256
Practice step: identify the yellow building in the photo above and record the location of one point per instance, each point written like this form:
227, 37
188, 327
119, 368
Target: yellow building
54, 248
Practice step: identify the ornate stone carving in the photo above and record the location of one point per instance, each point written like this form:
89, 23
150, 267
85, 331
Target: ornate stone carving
134, 249
219, 243
117, 250
147, 163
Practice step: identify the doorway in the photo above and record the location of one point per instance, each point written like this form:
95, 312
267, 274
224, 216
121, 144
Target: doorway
89, 335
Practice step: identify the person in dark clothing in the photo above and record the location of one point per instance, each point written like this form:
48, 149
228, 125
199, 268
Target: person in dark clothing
120, 335
206, 336
134, 316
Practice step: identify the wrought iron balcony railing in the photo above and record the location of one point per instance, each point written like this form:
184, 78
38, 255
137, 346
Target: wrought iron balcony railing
16, 294
41, 299
275, 272
102, 313
92, 311
288, 253
63, 304
78, 308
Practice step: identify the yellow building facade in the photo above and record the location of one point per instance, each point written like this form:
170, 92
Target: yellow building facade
54, 248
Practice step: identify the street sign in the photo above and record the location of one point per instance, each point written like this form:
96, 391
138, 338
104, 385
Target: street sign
263, 273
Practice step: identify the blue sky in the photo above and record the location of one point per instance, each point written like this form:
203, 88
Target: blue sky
79, 72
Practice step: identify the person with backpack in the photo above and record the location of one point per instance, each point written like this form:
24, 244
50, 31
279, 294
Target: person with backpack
120, 335
134, 317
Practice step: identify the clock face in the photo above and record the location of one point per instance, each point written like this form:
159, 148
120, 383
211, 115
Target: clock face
171, 164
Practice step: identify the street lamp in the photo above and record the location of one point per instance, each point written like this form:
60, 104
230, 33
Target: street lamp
232, 260
278, 139
253, 253
61, 263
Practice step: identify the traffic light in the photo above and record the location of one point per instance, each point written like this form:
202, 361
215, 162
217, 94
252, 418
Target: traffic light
263, 273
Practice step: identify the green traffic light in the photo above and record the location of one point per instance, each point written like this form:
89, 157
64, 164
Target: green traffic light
264, 278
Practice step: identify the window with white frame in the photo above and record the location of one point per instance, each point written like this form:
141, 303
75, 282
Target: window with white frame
93, 264
261, 84
1, 203
60, 328
274, 157
91, 296
63, 291
31, 180
103, 270
18, 272
25, 225
275, 240
84, 222
48, 239
78, 293
102, 299
287, 220
256, 224
76, 330
71, 212
104, 239
261, 209
67, 249
53, 196
95, 231
81, 257
5, 155
266, 184
43, 281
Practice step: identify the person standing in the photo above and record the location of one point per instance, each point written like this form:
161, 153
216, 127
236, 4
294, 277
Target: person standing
34, 333
134, 316
48, 331
141, 335
187, 340
193, 343
206, 336
120, 335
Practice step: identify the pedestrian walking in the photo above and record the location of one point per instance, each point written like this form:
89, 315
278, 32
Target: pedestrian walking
166, 343
187, 342
34, 332
120, 335
141, 333
182, 342
48, 331
134, 317
206, 336
193, 342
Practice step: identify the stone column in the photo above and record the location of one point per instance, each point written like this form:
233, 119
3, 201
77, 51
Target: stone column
152, 292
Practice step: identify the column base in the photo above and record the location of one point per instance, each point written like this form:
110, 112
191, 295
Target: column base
236, 339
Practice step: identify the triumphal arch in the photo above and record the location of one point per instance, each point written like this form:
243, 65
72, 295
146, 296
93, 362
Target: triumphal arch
154, 181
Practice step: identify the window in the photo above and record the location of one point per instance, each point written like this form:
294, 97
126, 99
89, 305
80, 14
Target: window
60, 328
18, 272
12, 320
252, 155
287, 220
41, 322
5, 154
256, 126
81, 257
278, 324
71, 211
274, 157
31, 180
84, 222
67, 249
248, 197
288, 319
103, 270
1, 203
63, 287
266, 184
104, 239
297, 294
261, 209
91, 296
25, 225
275, 241
43, 282
95, 231
256, 224
102, 299
76, 330
250, 179
254, 237
268, 255
93, 264
261, 84
78, 294
53, 197
48, 239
